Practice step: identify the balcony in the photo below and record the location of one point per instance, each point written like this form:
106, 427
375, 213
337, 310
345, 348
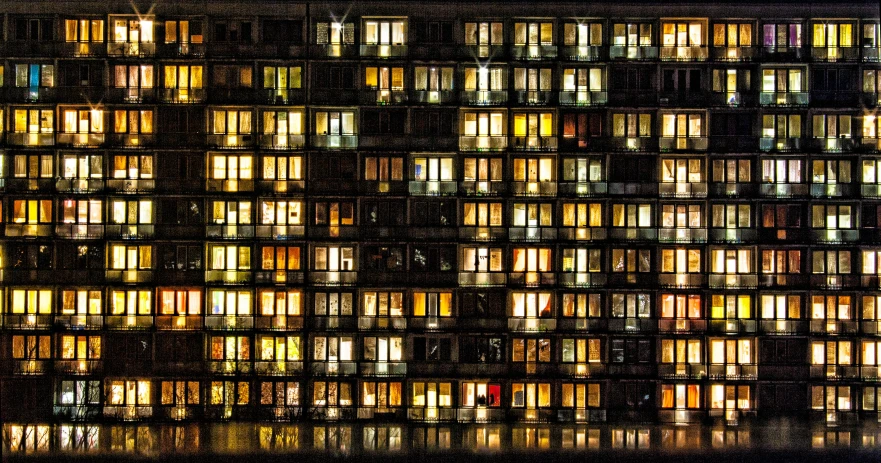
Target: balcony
384, 51
128, 412
383, 368
583, 52
282, 142
582, 279
781, 326
483, 233
533, 189
131, 49
727, 281
33, 94
229, 231
735, 190
128, 322
335, 323
780, 145
638, 144
77, 412
434, 97
820, 190
667, 144
835, 281
334, 50
333, 278
682, 235
230, 367
231, 277
28, 230
783, 190
632, 325
681, 280
633, 53
79, 185
835, 372
182, 95
31, 367
229, 322
431, 414
281, 186
230, 141
532, 233
178, 412
834, 327
82, 49
80, 322
835, 54
698, 53
432, 323
783, 281
282, 96
382, 323
484, 97
278, 322
684, 325
280, 232
533, 52
27, 321
131, 94
278, 367
832, 145
129, 232
532, 278
374, 232
534, 97
734, 54
732, 235
371, 96
682, 190
333, 368
632, 233
79, 367
533, 143
481, 415
783, 54
433, 188
29, 184
235, 185
520, 325
583, 98
835, 236
479, 188
682, 370
31, 139
784, 98
346, 142
482, 279
732, 326
178, 322
182, 50
133, 186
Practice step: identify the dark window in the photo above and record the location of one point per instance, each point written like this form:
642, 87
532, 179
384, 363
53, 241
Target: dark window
782, 351
433, 259
383, 122
433, 31
433, 123
631, 351
232, 31
479, 349
79, 74
283, 31
732, 124
33, 256
384, 213
81, 256
432, 349
433, 213
181, 120
385, 258
634, 169
175, 348
681, 80
33, 29
181, 257
181, 212
482, 304
832, 80
332, 167
783, 397
582, 125
633, 79
335, 77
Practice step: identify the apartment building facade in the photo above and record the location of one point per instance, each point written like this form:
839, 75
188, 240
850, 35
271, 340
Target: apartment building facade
476, 217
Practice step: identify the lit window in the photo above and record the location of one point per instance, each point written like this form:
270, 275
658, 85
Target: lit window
335, 33
680, 170
36, 347
583, 34
484, 79
632, 125
231, 212
782, 36
781, 126
280, 303
783, 80
32, 211
832, 307
831, 398
680, 260
731, 261
833, 35
229, 393
583, 170
432, 304
133, 166
632, 34
131, 302
732, 351
536, 80
34, 121
334, 123
32, 301
831, 216
380, 394
282, 167
433, 79
130, 392
80, 347
631, 305
280, 258
183, 32
482, 259
631, 260
431, 394
581, 350
332, 349
383, 304
530, 395
731, 306
732, 170
781, 306
383, 349
231, 122
832, 126
682, 34
280, 393
282, 78
582, 215
385, 32
581, 396
384, 168
682, 216
34, 76
481, 394
331, 394
281, 348
731, 397
229, 302
731, 216
533, 33
180, 393
485, 124
432, 169
782, 170
81, 166
531, 305
682, 125
831, 353
681, 396
84, 30
229, 257
681, 306
183, 79
124, 257
681, 351
334, 258
781, 262
831, 262
482, 170
582, 305
831, 172
180, 301
230, 348
231, 166
332, 304
131, 212
80, 302
632, 215
482, 214
733, 35
133, 30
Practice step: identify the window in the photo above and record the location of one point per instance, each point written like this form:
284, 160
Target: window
231, 212
832, 216
429, 169
280, 393
582, 305
681, 306
682, 216
530, 395
84, 30
179, 393
782, 170
280, 79
781, 306
480, 349
533, 125
335, 33
282, 167
631, 125
183, 32
229, 393
183, 79
830, 171
782, 36
731, 261
732, 170
733, 35
580, 396
581, 350
383, 349
730, 306
533, 33
484, 79
79, 393
385, 32
232, 76
481, 394
130, 302
334, 258
482, 169
631, 260
274, 212
32, 211
871, 85
632, 351
384, 78
632, 215
432, 348
831, 398
481, 259
37, 347
33, 29
582, 215
681, 351
679, 170
732, 351
832, 308
180, 302
334, 123
832, 126
130, 393
34, 121
381, 394
433, 79
78, 166
781, 262
331, 394
631, 305
233, 31
833, 35
832, 353
781, 126
531, 305
682, 34
32, 301
229, 257
383, 304
583, 34
82, 211
432, 304
132, 30
134, 166
731, 397
484, 35
834, 262
77, 347
632, 34
335, 215
332, 304
680, 260
280, 302
387, 168
682, 125
34, 76
536, 80
582, 126
81, 302
231, 122
333, 349
786, 80
131, 212
83, 121
230, 348
280, 258
681, 396
278, 348
231, 166
431, 395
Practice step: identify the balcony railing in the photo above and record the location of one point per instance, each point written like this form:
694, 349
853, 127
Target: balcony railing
730, 281
31, 139
682, 370
834, 326
484, 97
583, 52
278, 367
178, 322
583, 98
696, 53
834, 54
534, 143
682, 143
532, 233
734, 53
732, 326
681, 280
335, 141
682, 325
682, 190
482, 279
128, 322
784, 98
483, 143
182, 95
533, 52
682, 235
228, 276
131, 49
782, 145
384, 51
